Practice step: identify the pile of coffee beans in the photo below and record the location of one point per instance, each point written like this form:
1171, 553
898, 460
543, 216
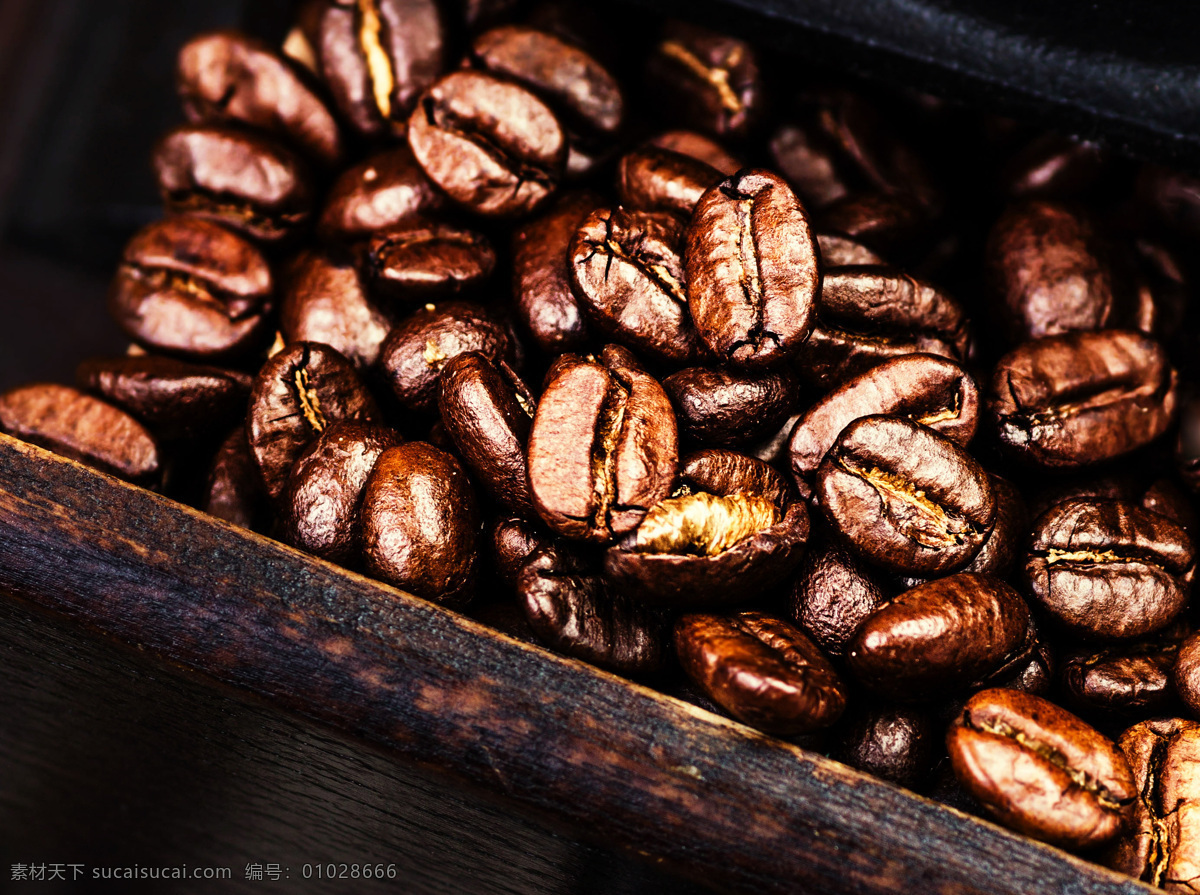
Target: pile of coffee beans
864, 418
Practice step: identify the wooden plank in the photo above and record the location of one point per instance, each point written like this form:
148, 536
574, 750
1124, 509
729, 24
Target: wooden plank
708, 796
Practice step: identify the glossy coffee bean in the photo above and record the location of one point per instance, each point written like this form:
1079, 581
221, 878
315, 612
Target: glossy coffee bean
761, 670
627, 274
320, 505
234, 489
1080, 398
511, 541
833, 592
487, 412
191, 288
248, 183
420, 524
297, 394
173, 398
604, 447
656, 179
414, 354
926, 389
895, 226
490, 145
893, 743
753, 272
906, 497
325, 300
384, 191
720, 407
1186, 673
842, 251
1000, 551
1040, 770
377, 56
572, 609
941, 636
228, 76
424, 261
76, 425
699, 147
1129, 680
1160, 843
1109, 570
726, 472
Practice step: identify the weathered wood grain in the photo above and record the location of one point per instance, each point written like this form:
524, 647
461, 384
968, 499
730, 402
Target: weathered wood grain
708, 796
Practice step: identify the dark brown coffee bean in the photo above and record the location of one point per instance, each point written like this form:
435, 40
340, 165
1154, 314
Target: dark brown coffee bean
1159, 495
1130, 680
906, 497
712, 80
1040, 770
420, 525
866, 315
893, 743
1160, 843
382, 192
488, 411
325, 301
604, 446
833, 593
492, 146
234, 490
377, 56
414, 354
761, 670
319, 506
76, 425
655, 179
1053, 166
1186, 673
810, 162
248, 183
512, 541
753, 272
229, 76
542, 291
699, 147
572, 609
999, 552
929, 390
628, 276
941, 636
728, 472
173, 398
1079, 398
298, 393
842, 251
1109, 570
424, 261
191, 288
895, 226
724, 408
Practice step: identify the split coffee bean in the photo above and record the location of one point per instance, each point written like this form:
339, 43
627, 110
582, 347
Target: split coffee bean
425, 261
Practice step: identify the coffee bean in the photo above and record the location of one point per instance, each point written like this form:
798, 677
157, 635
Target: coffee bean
699, 147
420, 524
1053, 166
999, 552
656, 179
234, 489
386, 190
842, 251
893, 743
1040, 770
1129, 680
761, 670
604, 446
1109, 570
721, 407
1186, 672
512, 540
425, 261
895, 226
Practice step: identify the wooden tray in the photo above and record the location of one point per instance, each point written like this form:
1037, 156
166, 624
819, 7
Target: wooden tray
706, 796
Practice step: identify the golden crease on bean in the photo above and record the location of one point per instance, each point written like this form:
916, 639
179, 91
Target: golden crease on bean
703, 524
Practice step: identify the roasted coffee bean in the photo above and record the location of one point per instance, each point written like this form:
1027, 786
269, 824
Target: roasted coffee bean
941, 636
604, 447
761, 670
731, 533
488, 411
906, 497
384, 191
377, 56
833, 593
1130, 680
425, 261
1079, 398
420, 525
999, 552
173, 398
1186, 673
325, 300
574, 610
248, 183
414, 354
699, 147
929, 390
721, 407
1109, 570
894, 226
866, 315
894, 743
628, 276
76, 425
1187, 444
842, 251
1040, 770
234, 489
320, 505
753, 270
190, 288
492, 146
1158, 495
512, 541
298, 393
656, 179
542, 292
1160, 843
229, 76
1053, 166
712, 80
